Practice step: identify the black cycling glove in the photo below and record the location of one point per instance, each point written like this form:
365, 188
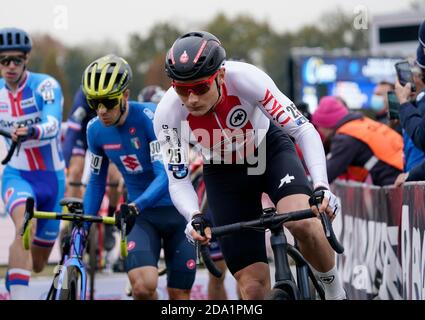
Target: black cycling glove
129, 215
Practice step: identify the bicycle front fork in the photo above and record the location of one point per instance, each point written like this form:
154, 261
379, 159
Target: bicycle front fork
283, 274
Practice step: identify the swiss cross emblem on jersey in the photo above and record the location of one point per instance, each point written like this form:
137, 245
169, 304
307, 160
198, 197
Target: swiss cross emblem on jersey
131, 163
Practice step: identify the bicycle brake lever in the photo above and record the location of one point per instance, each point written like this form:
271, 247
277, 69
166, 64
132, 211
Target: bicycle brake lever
329, 233
18, 145
198, 228
123, 228
325, 224
29, 214
24, 225
19, 141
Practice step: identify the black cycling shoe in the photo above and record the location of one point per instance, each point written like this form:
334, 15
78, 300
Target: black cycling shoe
109, 239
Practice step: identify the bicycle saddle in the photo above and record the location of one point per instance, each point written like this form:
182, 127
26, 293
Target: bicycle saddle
72, 203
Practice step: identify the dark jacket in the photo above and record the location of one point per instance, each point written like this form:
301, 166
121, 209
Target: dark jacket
346, 150
413, 122
417, 173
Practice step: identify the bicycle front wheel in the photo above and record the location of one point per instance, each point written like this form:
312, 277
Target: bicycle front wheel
93, 256
69, 290
278, 294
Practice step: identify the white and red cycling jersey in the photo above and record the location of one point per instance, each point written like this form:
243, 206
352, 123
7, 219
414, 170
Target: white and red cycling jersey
250, 100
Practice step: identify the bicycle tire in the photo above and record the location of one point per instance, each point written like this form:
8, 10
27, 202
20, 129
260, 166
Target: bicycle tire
278, 294
162, 271
93, 261
52, 291
70, 291
316, 287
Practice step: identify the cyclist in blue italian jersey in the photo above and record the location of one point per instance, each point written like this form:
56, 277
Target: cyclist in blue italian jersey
74, 150
31, 108
123, 133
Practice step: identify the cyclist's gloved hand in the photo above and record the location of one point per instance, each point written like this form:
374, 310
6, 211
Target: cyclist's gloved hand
129, 217
323, 200
198, 222
24, 133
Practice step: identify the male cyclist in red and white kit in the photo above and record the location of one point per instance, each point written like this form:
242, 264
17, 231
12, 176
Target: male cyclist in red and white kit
234, 113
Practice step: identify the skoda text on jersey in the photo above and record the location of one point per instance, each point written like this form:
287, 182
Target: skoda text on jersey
37, 103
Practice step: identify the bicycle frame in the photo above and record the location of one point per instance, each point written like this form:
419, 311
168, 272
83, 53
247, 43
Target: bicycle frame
283, 274
284, 279
72, 258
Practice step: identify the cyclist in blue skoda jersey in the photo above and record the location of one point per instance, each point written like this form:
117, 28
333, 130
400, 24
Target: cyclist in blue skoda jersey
123, 133
31, 108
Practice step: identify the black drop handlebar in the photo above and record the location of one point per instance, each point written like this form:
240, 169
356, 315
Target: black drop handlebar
268, 221
13, 146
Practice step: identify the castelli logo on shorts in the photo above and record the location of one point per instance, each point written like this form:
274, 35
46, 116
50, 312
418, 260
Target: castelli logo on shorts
190, 264
8, 194
131, 245
184, 58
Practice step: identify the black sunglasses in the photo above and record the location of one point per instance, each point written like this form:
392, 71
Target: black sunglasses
109, 104
17, 60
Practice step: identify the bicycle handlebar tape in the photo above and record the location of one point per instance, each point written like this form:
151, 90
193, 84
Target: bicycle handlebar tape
25, 231
29, 207
7, 134
9, 153
223, 230
330, 234
209, 263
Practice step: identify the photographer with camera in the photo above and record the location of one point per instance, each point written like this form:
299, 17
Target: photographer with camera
410, 114
412, 111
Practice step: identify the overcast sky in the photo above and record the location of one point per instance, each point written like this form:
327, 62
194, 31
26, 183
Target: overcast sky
82, 21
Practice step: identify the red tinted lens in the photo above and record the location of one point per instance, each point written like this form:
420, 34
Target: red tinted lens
198, 89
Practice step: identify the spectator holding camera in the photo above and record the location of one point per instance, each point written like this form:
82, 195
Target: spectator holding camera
412, 111
411, 116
